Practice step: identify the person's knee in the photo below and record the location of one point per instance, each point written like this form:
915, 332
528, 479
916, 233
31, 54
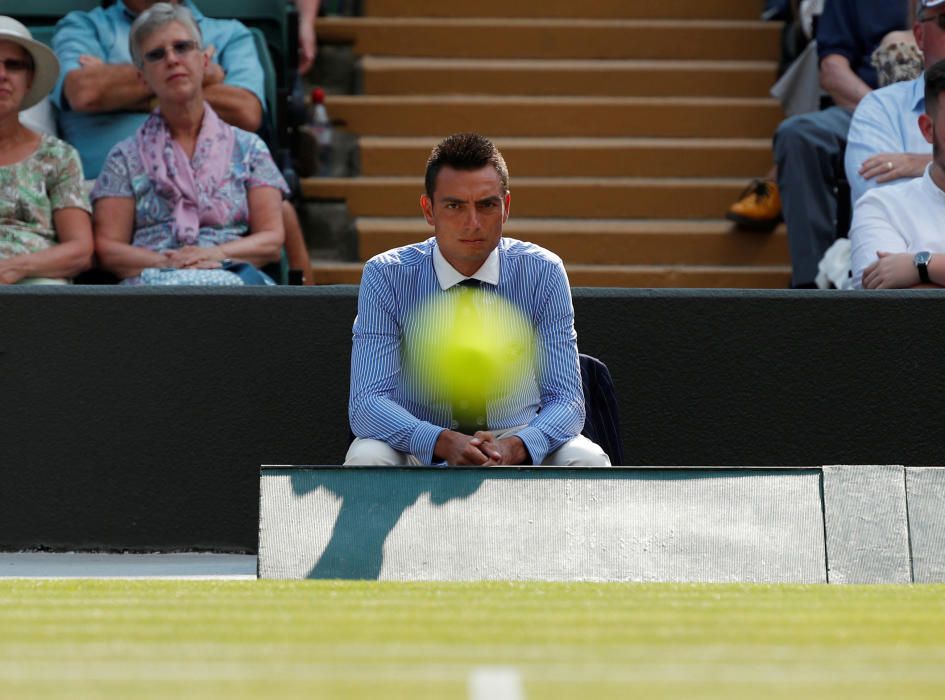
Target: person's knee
373, 453
579, 452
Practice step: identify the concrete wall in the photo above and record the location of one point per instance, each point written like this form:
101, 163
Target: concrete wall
138, 418
839, 524
542, 524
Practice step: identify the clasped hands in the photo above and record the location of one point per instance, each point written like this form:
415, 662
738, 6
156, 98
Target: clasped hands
481, 449
193, 257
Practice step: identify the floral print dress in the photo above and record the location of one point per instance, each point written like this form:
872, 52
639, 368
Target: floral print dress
223, 205
31, 190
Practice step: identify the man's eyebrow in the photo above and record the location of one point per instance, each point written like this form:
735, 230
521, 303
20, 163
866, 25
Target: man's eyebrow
493, 198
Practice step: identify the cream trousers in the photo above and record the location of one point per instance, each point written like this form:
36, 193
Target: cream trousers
576, 452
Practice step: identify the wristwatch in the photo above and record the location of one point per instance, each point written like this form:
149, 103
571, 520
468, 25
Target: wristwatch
922, 260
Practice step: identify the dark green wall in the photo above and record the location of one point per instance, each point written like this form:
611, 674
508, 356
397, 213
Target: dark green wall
138, 418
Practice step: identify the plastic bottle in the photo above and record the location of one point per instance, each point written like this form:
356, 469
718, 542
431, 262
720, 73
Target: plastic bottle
320, 125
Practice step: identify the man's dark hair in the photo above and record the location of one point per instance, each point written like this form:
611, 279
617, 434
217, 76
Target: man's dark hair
465, 152
934, 86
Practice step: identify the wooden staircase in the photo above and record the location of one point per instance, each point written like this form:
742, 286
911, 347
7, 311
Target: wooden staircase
629, 127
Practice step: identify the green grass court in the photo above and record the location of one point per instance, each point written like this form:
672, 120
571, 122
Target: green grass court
244, 639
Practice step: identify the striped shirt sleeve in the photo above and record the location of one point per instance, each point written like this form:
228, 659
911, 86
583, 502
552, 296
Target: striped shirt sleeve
559, 374
375, 373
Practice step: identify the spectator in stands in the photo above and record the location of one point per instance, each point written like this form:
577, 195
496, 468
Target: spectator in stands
758, 207
809, 148
885, 143
897, 234
896, 59
308, 12
467, 203
812, 143
187, 191
45, 229
101, 100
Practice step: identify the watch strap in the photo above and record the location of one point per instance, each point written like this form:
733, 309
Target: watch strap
922, 261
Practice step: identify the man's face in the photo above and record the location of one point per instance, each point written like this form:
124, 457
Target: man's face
930, 36
467, 212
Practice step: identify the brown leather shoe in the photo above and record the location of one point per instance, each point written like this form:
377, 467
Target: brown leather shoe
758, 208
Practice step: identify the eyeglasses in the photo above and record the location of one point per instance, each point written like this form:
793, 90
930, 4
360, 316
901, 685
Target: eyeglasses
180, 48
939, 19
16, 65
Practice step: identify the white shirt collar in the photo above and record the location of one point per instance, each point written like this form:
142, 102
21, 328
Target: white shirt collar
448, 276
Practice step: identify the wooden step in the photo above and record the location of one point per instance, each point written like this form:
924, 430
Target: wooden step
675, 276
585, 157
601, 9
557, 116
556, 38
607, 242
657, 276
594, 198
331, 272
442, 76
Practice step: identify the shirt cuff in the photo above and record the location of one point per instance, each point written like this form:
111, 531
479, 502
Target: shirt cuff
423, 441
535, 442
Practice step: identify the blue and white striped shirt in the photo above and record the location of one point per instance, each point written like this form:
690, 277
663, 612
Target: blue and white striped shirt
383, 407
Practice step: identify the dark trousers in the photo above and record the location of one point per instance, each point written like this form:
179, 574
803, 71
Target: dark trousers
808, 149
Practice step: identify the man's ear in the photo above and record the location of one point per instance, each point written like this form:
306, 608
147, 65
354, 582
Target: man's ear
927, 127
508, 203
426, 204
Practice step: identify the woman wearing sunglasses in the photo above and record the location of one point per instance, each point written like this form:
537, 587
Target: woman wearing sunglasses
45, 228
188, 194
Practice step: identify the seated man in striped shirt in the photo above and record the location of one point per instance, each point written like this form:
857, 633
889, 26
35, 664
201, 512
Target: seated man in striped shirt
467, 203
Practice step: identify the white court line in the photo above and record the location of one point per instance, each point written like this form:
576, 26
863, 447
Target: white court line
495, 683
189, 565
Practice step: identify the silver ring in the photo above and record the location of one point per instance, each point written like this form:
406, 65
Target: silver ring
889, 165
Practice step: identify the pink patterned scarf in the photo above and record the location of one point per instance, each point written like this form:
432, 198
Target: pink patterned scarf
178, 180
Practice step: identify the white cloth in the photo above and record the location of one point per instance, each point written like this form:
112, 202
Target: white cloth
808, 10
798, 90
902, 218
35, 281
833, 271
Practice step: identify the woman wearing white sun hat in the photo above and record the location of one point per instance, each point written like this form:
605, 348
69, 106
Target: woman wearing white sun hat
45, 223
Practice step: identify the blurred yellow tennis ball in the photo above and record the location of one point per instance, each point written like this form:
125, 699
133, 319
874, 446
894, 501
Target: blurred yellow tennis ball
469, 347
